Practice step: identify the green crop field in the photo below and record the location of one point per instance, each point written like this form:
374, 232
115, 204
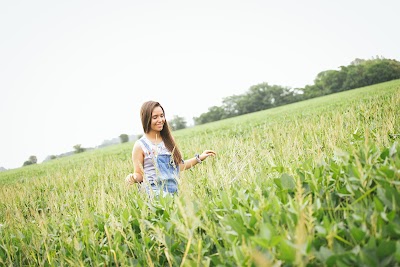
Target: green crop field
315, 183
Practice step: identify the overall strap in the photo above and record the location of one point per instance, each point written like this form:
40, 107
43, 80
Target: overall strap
147, 147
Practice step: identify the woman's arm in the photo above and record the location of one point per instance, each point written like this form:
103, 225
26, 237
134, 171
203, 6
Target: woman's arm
138, 161
189, 163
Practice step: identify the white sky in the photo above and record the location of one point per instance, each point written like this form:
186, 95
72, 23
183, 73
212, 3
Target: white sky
77, 72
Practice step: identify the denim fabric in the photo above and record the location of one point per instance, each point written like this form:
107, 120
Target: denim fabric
166, 173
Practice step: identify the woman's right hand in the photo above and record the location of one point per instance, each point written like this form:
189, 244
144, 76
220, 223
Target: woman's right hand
130, 179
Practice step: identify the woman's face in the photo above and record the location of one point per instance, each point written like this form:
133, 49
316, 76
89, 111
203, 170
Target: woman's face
157, 119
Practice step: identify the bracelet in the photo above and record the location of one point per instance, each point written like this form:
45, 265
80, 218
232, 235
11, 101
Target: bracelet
197, 156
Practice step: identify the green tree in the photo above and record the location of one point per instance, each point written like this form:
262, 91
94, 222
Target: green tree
214, 113
382, 70
359, 73
354, 75
78, 148
32, 160
124, 138
263, 96
230, 105
177, 123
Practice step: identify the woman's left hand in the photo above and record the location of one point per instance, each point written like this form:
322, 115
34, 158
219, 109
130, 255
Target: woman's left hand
206, 154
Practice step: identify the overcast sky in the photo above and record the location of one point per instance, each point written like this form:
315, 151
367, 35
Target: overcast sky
77, 72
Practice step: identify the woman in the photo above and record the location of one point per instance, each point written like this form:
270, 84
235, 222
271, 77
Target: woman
156, 158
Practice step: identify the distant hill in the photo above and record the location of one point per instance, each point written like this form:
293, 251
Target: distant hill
109, 142
116, 140
59, 156
2, 169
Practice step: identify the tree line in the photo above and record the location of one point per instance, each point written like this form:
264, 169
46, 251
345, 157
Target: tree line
263, 96
358, 73
77, 149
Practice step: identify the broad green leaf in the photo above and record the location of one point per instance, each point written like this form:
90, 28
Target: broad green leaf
323, 254
260, 241
358, 234
378, 204
397, 253
393, 229
386, 248
278, 183
287, 251
287, 182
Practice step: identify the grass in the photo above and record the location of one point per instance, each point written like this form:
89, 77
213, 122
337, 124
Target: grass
315, 183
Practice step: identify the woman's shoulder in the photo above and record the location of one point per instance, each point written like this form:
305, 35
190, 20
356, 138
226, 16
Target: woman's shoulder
143, 143
137, 143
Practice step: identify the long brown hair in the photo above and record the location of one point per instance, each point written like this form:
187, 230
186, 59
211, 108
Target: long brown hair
146, 114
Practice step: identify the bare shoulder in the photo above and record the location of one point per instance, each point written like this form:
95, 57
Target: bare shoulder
137, 152
137, 146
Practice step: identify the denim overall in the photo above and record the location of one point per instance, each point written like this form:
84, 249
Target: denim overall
166, 173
